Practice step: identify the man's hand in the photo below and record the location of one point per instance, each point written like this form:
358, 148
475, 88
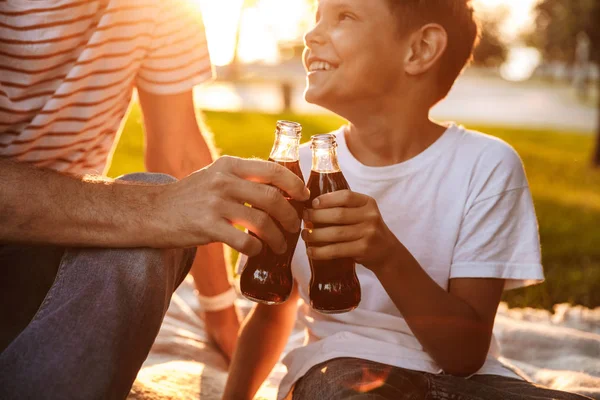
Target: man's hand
354, 229
203, 207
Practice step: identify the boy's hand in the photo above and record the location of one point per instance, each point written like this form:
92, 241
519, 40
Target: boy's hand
355, 229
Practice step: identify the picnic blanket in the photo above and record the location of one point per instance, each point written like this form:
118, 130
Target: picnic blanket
560, 351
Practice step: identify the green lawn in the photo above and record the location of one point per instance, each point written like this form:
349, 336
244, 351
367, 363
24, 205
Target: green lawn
565, 189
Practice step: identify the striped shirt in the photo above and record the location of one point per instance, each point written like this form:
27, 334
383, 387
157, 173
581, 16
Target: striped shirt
68, 69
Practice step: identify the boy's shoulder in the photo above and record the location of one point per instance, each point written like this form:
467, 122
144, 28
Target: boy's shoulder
493, 165
486, 151
483, 155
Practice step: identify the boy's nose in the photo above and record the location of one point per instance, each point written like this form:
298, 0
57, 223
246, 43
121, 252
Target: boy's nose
315, 36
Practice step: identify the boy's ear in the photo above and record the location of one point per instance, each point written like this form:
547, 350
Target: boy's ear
426, 46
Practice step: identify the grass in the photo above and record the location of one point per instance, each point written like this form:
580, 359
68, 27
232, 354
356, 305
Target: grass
566, 192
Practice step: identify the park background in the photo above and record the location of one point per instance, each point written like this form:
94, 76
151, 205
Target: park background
534, 83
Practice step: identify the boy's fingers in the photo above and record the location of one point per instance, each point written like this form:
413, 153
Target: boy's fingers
332, 234
334, 216
342, 198
333, 251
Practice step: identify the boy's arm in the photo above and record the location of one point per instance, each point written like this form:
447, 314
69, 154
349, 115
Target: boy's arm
454, 327
262, 340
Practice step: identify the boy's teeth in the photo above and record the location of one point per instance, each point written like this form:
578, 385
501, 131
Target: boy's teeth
320, 66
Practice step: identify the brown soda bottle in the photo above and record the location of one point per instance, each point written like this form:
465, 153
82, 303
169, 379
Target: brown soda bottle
267, 277
334, 286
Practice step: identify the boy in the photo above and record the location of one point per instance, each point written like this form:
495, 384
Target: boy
442, 221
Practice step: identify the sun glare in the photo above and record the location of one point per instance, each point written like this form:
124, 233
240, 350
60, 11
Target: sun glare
262, 26
267, 22
220, 20
520, 13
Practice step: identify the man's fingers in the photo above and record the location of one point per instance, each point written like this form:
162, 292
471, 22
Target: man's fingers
334, 216
236, 239
270, 173
268, 199
332, 234
335, 251
257, 222
342, 198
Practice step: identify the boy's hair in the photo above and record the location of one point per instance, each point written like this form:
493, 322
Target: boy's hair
457, 17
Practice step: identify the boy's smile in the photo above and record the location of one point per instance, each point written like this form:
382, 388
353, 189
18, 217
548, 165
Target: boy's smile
352, 54
317, 67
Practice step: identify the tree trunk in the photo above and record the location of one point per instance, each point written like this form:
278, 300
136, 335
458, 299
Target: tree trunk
595, 36
597, 152
233, 69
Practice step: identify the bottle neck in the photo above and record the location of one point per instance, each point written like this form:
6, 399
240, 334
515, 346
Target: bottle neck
324, 154
287, 142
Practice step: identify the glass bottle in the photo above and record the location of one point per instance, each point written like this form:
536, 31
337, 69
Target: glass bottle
334, 286
267, 277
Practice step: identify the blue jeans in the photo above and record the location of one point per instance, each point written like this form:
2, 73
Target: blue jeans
100, 312
355, 379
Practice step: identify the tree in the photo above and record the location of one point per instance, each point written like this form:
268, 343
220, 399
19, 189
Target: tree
492, 50
557, 25
233, 69
594, 33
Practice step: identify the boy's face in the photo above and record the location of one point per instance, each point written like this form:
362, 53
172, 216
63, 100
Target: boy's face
353, 54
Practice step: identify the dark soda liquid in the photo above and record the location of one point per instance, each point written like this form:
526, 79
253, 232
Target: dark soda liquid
267, 278
334, 286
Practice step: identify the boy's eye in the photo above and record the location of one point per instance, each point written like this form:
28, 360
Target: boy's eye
345, 16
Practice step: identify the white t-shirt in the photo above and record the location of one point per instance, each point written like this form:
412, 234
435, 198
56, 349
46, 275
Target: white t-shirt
464, 210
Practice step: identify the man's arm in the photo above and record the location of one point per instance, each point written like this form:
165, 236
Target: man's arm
42, 206
39, 206
178, 143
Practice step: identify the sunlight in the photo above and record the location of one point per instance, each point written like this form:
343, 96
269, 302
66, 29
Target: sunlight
521, 64
220, 19
522, 61
520, 13
268, 22
257, 42
262, 26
